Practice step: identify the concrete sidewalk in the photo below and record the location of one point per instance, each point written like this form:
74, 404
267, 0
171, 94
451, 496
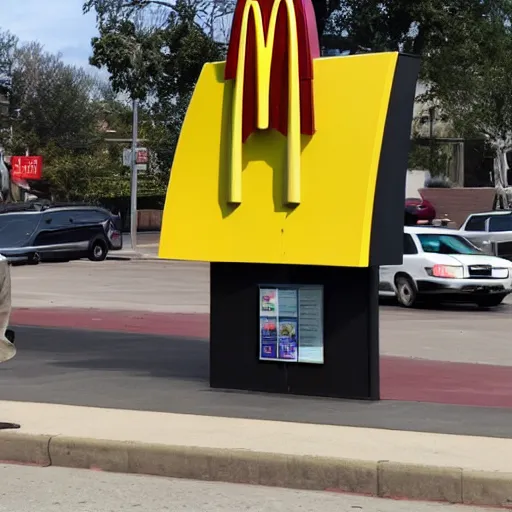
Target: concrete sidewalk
386, 463
143, 252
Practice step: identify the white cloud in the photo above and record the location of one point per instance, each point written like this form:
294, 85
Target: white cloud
57, 24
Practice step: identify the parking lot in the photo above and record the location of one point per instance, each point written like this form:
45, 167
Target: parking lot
462, 334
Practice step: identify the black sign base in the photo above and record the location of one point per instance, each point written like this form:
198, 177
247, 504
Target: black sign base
351, 331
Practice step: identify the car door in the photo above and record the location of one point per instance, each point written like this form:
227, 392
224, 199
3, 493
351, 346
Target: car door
476, 229
413, 264
500, 232
56, 231
388, 272
89, 223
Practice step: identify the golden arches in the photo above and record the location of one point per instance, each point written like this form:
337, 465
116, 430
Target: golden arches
264, 52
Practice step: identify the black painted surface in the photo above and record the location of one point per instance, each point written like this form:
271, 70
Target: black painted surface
386, 245
351, 317
159, 373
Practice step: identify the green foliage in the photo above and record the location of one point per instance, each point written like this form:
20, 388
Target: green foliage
89, 177
158, 63
465, 45
64, 114
50, 101
8, 44
419, 157
435, 159
472, 76
80, 177
131, 57
420, 27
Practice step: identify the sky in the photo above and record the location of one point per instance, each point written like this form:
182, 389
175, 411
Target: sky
57, 24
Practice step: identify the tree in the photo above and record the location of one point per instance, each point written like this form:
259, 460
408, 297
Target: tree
50, 102
8, 44
211, 15
419, 27
472, 81
62, 112
465, 51
157, 63
324, 9
155, 49
81, 177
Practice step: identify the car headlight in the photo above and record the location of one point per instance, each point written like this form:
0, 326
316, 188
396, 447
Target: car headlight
446, 271
500, 273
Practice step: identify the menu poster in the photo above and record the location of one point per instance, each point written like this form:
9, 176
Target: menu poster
288, 339
291, 324
268, 338
268, 302
288, 302
311, 325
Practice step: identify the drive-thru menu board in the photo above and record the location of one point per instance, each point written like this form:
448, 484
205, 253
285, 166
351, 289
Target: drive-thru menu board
291, 324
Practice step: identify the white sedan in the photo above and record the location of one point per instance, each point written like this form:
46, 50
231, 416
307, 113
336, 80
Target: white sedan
7, 348
440, 264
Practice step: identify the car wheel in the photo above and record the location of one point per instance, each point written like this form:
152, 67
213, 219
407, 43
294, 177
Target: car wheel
98, 251
405, 291
490, 302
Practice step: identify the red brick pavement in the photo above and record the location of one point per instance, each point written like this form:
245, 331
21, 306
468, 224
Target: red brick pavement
401, 378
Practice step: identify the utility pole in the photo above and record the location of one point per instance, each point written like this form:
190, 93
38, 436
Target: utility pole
432, 115
133, 188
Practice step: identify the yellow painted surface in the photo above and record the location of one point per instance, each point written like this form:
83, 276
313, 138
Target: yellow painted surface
264, 53
339, 165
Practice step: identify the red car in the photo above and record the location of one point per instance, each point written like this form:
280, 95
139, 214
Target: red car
421, 209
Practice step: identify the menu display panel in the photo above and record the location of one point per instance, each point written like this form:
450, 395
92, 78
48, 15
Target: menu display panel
291, 324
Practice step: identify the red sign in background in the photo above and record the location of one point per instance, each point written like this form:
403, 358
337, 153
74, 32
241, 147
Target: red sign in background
27, 167
141, 156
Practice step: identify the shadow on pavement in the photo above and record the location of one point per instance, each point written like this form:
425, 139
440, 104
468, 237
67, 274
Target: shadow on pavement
156, 356
156, 373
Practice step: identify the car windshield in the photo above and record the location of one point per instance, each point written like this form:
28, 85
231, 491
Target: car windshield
500, 223
447, 244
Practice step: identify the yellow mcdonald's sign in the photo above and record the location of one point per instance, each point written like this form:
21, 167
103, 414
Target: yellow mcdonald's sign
264, 52
348, 180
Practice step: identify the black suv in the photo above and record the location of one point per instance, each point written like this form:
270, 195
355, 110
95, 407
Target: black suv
37, 232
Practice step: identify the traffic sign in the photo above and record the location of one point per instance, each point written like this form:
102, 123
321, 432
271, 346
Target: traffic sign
141, 158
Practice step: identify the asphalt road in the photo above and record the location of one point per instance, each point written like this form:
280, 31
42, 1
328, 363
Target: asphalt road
162, 373
144, 372
461, 334
25, 489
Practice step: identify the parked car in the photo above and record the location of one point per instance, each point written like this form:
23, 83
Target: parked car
7, 348
493, 228
421, 209
55, 232
439, 264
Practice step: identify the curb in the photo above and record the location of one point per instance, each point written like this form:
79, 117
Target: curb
384, 479
132, 256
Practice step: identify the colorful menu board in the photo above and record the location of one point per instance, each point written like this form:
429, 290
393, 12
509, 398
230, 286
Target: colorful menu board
291, 324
